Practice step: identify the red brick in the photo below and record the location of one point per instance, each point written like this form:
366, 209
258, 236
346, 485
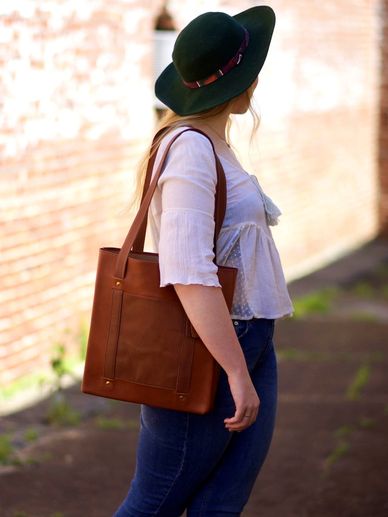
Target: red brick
76, 96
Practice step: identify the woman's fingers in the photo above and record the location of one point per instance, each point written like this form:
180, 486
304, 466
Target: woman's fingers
238, 416
243, 418
246, 401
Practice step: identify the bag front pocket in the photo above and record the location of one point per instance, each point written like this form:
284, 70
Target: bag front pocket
144, 355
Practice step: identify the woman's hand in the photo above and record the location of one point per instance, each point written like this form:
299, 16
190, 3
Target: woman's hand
246, 400
207, 310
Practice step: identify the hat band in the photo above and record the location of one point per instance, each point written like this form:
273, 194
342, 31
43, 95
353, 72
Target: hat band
232, 63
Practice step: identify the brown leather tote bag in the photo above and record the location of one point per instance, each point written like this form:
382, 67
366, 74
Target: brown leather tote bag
142, 347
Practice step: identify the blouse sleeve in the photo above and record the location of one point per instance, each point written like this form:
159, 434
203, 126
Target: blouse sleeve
186, 238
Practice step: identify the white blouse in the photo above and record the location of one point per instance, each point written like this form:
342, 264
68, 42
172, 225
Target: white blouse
181, 220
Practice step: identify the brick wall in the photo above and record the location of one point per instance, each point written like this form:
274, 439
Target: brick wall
76, 108
316, 149
70, 135
383, 121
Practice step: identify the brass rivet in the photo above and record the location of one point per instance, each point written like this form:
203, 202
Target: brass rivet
118, 282
182, 397
107, 382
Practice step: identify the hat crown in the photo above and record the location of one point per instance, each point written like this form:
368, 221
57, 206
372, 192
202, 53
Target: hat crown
206, 44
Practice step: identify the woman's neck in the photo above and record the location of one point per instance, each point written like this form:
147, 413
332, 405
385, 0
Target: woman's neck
216, 124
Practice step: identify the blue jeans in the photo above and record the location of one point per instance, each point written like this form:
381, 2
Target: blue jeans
192, 462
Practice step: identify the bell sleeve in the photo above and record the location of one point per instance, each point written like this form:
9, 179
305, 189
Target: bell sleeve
186, 238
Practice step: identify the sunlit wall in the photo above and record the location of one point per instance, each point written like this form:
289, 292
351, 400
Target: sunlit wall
77, 109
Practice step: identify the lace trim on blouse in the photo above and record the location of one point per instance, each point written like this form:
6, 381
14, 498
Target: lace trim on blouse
272, 212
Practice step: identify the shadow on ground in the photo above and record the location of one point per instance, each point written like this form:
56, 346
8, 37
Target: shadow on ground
329, 455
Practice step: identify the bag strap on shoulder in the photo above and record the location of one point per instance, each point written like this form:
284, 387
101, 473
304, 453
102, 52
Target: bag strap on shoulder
134, 241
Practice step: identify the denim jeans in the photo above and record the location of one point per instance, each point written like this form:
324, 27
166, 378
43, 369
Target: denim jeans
192, 462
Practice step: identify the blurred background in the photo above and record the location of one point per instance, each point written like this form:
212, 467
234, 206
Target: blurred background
77, 113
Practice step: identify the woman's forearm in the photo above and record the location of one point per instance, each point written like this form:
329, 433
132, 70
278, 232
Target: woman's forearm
206, 308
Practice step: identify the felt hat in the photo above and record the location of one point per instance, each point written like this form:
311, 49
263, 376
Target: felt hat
215, 58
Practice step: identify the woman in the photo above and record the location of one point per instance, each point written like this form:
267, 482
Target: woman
207, 464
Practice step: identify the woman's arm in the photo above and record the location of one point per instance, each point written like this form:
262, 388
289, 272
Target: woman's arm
186, 260
206, 308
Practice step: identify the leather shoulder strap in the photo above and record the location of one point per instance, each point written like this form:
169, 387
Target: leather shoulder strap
134, 241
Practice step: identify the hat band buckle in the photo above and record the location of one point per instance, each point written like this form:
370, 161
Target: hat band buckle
232, 63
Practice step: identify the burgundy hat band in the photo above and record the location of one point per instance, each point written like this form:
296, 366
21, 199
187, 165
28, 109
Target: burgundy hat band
232, 63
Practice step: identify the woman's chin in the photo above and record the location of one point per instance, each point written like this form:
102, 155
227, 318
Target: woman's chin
240, 111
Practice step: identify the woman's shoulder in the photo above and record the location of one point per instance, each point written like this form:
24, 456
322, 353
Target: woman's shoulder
189, 139
190, 155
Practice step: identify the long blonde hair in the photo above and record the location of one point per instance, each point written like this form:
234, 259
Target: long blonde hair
171, 120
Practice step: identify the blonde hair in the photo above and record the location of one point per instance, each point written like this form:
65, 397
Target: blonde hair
171, 120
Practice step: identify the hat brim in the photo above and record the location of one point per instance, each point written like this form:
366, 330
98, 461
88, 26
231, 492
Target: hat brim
169, 88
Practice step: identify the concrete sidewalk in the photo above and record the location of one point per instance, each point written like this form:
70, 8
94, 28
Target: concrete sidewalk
329, 455
344, 270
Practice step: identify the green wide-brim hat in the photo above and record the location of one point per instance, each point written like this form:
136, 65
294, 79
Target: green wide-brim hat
206, 47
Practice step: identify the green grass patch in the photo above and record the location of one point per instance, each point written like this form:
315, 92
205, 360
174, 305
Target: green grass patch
25, 383
32, 461
364, 316
363, 290
83, 336
35, 381
339, 451
6, 449
384, 292
359, 382
319, 302
375, 357
132, 424
367, 423
344, 431
60, 366
382, 271
8, 455
61, 413
294, 354
45, 456
343, 437
31, 434
109, 423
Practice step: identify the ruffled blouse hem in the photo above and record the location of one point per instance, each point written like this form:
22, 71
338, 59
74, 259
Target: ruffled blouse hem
266, 316
208, 282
